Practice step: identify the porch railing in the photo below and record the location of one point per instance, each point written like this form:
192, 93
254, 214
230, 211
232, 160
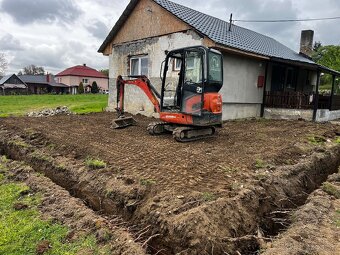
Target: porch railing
300, 100
291, 100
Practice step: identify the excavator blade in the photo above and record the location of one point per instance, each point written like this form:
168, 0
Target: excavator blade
123, 122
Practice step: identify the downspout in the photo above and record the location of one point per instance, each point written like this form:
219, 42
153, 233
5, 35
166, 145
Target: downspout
332, 93
264, 90
316, 100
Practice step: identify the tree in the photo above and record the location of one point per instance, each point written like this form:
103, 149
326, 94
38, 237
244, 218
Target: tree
105, 72
3, 64
94, 88
81, 88
328, 56
32, 70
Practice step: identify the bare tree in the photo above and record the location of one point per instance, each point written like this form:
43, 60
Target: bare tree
32, 70
3, 64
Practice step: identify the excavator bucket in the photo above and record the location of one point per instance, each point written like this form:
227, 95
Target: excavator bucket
123, 122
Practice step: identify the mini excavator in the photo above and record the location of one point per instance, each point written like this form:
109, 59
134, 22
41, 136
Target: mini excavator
189, 104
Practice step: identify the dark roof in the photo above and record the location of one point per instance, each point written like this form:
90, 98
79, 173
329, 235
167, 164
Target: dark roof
218, 30
83, 71
41, 79
239, 37
13, 83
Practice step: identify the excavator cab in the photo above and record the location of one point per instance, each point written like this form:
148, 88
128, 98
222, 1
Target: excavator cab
189, 74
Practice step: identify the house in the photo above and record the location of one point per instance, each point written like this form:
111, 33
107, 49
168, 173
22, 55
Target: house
42, 84
12, 85
262, 77
73, 76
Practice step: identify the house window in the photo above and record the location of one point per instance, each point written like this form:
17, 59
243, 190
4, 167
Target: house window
85, 81
139, 65
177, 64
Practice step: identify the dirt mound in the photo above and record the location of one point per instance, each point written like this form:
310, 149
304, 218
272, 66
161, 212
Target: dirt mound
316, 225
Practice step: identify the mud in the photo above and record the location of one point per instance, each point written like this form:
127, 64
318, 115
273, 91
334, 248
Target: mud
225, 195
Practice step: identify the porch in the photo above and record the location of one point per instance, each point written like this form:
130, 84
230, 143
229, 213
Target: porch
294, 93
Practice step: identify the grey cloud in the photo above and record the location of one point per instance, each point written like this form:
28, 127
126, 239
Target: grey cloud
26, 12
98, 29
9, 43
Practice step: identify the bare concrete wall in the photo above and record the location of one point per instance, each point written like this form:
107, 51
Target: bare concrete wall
242, 98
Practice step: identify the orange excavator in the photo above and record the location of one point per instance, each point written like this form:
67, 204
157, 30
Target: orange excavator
189, 104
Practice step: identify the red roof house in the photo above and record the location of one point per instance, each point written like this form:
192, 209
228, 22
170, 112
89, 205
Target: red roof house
74, 75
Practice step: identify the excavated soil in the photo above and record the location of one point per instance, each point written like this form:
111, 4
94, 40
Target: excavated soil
215, 196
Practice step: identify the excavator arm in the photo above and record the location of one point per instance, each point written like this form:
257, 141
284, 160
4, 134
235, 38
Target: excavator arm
144, 84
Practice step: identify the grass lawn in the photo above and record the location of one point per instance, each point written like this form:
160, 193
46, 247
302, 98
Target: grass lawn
20, 105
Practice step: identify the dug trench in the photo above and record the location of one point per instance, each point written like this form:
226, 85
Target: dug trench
237, 223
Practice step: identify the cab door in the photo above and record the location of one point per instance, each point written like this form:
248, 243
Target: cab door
193, 82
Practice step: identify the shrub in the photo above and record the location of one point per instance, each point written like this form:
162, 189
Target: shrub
94, 88
81, 88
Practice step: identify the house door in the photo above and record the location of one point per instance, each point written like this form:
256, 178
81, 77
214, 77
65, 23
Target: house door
278, 78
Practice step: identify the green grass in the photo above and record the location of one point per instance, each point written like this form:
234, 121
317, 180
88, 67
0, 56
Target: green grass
22, 230
259, 163
147, 182
331, 189
81, 104
337, 218
208, 196
316, 140
95, 163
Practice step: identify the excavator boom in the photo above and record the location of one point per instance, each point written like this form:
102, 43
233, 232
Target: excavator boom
143, 83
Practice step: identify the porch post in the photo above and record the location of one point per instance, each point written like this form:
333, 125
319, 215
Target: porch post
316, 99
332, 93
264, 91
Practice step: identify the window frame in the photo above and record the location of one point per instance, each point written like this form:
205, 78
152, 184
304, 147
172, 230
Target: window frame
175, 62
139, 58
85, 79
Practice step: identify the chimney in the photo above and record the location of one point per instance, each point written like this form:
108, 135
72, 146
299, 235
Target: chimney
306, 42
47, 77
84, 64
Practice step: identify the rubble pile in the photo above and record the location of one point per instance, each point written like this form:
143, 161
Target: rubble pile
60, 110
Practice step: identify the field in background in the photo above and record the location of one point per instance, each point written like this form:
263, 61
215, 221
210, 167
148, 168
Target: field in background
20, 105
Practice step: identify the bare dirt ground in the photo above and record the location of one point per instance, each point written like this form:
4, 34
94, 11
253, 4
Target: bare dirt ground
206, 197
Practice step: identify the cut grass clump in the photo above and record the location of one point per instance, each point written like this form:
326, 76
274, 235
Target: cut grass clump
95, 163
23, 231
337, 218
228, 170
331, 189
316, 140
208, 196
38, 155
259, 163
19, 143
147, 182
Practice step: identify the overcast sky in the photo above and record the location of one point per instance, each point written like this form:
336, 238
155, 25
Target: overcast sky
57, 34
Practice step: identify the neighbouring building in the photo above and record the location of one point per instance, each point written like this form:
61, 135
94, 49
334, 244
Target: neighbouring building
73, 76
43, 84
262, 77
12, 85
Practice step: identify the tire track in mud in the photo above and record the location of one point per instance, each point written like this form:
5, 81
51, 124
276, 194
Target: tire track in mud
225, 224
